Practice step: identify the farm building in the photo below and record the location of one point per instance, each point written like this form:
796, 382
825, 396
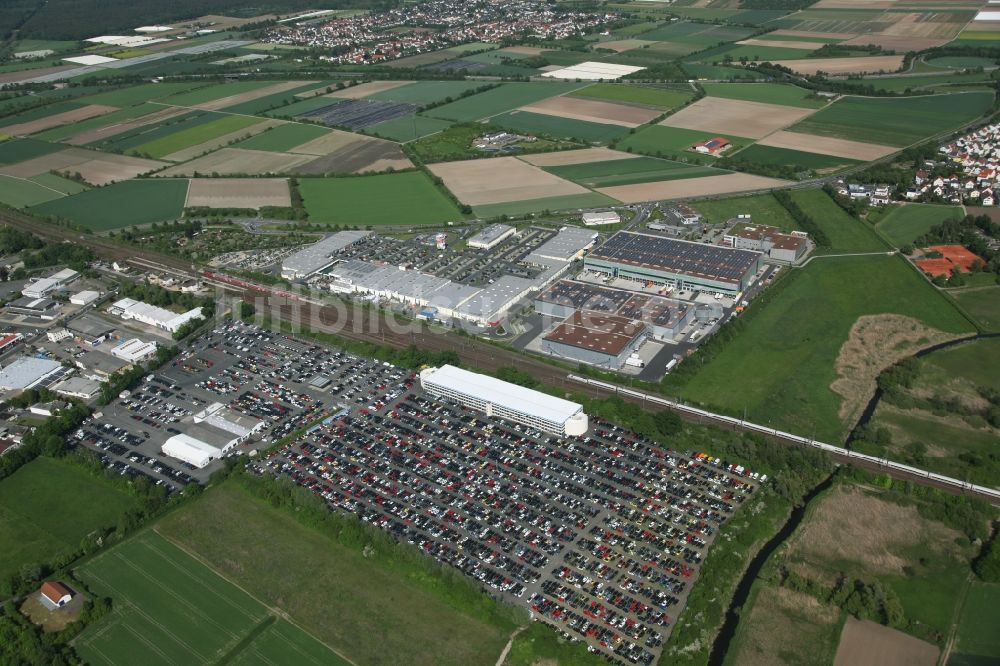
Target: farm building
134, 350
491, 236
318, 256
677, 263
712, 146
55, 595
594, 218
500, 399
764, 238
598, 339
152, 315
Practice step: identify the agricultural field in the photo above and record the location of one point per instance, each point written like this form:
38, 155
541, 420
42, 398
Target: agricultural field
660, 98
676, 143
362, 200
752, 53
780, 368
185, 613
528, 122
195, 136
895, 122
115, 118
209, 94
22, 192
826, 145
409, 128
906, 222
238, 193
501, 180
425, 92
284, 137
797, 159
90, 166
125, 204
767, 93
846, 234
715, 115
363, 609
628, 171
717, 182
569, 202
19, 150
982, 304
38, 525
977, 642
499, 100
146, 92
844, 66
761, 207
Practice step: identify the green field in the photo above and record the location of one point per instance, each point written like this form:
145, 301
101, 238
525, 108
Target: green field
930, 83
145, 92
673, 142
409, 128
194, 135
751, 52
757, 154
560, 128
123, 204
38, 524
781, 366
567, 202
283, 137
426, 92
58, 183
362, 200
976, 361
498, 100
171, 609
363, 608
21, 192
763, 208
629, 171
846, 233
662, 98
978, 641
905, 223
20, 150
214, 92
895, 122
961, 62
769, 93
302, 106
982, 304
126, 141
66, 131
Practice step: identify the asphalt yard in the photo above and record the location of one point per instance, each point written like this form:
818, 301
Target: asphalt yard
601, 537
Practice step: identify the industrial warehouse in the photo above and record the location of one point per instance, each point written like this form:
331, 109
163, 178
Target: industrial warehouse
682, 264
500, 399
598, 339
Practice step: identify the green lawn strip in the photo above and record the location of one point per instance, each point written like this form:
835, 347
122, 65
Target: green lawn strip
758, 154
846, 233
675, 143
567, 202
193, 136
123, 204
768, 93
762, 208
663, 98
781, 366
66, 131
409, 128
19, 150
145, 92
426, 92
362, 200
283, 137
629, 171
562, 128
366, 609
894, 121
21, 192
37, 524
498, 100
983, 305
907, 222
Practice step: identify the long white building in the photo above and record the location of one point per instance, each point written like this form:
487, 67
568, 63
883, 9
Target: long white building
500, 399
128, 308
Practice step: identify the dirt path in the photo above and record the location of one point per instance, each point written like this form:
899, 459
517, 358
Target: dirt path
510, 644
955, 618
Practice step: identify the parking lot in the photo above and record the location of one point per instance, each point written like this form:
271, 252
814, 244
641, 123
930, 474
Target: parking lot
254, 372
600, 536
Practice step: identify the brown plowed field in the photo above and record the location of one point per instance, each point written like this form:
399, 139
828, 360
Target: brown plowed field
238, 161
94, 167
817, 35
366, 89
825, 145
357, 157
329, 143
249, 96
594, 111
238, 192
807, 46
620, 45
57, 119
753, 120
861, 65
690, 187
582, 156
499, 180
864, 643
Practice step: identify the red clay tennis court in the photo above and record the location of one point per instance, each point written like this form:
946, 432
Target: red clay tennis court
952, 256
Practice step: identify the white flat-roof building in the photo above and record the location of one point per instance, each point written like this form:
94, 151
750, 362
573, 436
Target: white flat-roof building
594, 218
78, 387
318, 256
128, 308
45, 286
134, 350
497, 398
491, 236
27, 372
84, 297
190, 450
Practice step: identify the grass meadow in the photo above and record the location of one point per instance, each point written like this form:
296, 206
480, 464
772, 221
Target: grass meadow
124, 204
758, 154
37, 523
905, 223
978, 642
761, 207
408, 198
846, 233
628, 171
769, 93
982, 304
